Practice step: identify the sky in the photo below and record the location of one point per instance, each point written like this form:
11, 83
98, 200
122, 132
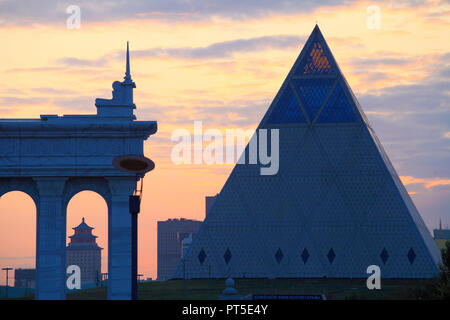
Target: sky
221, 62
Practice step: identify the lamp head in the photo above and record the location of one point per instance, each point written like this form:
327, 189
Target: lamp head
134, 164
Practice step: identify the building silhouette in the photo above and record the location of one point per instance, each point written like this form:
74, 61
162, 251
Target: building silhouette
334, 206
25, 278
84, 252
171, 234
441, 236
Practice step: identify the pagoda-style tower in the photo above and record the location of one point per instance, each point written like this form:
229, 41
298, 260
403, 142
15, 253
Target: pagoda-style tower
84, 252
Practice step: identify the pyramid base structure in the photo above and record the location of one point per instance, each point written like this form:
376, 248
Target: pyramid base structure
335, 206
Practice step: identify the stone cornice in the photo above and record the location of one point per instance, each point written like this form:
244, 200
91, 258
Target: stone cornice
75, 128
62, 171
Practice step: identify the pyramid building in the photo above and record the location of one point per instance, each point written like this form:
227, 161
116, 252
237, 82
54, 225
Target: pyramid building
336, 204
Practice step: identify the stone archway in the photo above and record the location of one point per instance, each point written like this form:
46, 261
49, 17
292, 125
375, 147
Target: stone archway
54, 157
26, 185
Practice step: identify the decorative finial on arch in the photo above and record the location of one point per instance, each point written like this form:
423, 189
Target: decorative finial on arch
127, 77
122, 96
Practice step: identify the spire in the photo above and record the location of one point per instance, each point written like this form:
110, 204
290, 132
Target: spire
82, 220
316, 28
440, 224
127, 77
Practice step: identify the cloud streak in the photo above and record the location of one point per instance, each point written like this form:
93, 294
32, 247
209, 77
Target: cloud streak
217, 50
224, 49
75, 62
428, 183
53, 11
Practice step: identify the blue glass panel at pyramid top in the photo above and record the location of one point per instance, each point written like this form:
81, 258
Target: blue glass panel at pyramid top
338, 108
287, 109
312, 93
315, 61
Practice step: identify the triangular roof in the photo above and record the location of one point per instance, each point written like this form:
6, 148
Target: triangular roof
336, 204
83, 226
314, 84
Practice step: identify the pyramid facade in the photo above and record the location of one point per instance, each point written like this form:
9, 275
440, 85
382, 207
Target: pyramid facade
336, 204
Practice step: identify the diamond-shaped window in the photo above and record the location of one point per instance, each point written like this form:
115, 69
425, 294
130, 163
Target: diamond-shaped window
411, 256
227, 256
305, 255
279, 255
331, 255
201, 256
384, 255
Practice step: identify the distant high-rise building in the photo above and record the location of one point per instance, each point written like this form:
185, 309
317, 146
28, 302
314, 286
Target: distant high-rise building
170, 236
24, 278
84, 252
441, 236
209, 201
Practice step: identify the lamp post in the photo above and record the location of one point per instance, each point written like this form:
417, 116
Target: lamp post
135, 204
7, 280
139, 165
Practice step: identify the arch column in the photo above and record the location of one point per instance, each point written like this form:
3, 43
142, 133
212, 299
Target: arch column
119, 238
50, 239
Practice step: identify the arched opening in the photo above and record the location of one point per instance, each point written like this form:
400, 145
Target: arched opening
18, 244
87, 244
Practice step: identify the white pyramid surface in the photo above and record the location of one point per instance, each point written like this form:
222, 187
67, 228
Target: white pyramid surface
336, 204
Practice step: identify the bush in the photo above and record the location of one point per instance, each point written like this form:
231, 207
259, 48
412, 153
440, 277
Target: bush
438, 288
443, 286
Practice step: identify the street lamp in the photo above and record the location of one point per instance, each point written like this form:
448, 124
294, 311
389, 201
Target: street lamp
138, 165
7, 279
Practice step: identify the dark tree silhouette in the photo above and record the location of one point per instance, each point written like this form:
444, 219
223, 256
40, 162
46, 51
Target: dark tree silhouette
443, 286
